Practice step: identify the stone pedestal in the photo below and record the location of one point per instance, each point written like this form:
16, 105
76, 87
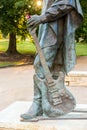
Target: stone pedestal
76, 78
10, 120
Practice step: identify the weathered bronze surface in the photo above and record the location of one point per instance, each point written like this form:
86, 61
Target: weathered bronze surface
56, 57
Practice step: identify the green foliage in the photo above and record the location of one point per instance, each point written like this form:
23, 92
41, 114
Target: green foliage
13, 16
82, 31
33, 8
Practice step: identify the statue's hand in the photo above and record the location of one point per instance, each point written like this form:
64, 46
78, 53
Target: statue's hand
34, 21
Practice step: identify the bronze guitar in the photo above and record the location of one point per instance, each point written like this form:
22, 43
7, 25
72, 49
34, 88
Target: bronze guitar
56, 98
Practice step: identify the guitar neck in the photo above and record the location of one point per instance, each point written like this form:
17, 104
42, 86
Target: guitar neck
42, 59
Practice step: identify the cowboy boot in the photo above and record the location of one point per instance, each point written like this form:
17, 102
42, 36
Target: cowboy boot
36, 107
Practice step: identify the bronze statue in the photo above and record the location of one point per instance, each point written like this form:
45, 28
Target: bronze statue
56, 57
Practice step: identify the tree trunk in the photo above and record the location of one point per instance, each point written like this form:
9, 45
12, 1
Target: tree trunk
12, 50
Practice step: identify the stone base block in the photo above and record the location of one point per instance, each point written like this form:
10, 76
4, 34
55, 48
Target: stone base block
10, 120
76, 78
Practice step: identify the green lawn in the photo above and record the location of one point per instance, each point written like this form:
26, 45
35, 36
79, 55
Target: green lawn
23, 47
26, 47
81, 49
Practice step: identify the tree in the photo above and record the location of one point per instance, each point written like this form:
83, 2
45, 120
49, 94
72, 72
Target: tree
13, 20
82, 31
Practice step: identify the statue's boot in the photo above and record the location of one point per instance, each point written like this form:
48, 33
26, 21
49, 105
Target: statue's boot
36, 107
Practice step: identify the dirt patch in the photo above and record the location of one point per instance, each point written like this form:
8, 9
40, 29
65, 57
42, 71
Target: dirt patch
16, 59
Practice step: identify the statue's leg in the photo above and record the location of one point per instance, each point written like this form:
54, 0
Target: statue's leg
49, 54
36, 108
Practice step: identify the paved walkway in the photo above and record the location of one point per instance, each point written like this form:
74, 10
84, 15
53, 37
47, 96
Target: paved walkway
16, 84
81, 64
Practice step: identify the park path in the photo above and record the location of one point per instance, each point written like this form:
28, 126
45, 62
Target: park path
16, 84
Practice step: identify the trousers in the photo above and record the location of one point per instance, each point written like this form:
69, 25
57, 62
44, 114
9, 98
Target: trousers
49, 54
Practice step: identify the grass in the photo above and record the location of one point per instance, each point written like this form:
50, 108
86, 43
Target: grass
24, 47
81, 49
3, 45
6, 64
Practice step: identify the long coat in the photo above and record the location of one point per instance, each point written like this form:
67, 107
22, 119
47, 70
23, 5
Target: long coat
60, 29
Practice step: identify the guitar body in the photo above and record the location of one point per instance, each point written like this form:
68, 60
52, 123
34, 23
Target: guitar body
56, 100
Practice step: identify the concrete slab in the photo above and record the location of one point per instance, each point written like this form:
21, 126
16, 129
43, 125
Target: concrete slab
76, 78
10, 120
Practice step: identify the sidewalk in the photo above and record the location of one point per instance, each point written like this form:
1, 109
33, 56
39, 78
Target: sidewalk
81, 64
16, 84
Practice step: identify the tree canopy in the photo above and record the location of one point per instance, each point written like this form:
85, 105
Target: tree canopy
82, 31
13, 16
13, 19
